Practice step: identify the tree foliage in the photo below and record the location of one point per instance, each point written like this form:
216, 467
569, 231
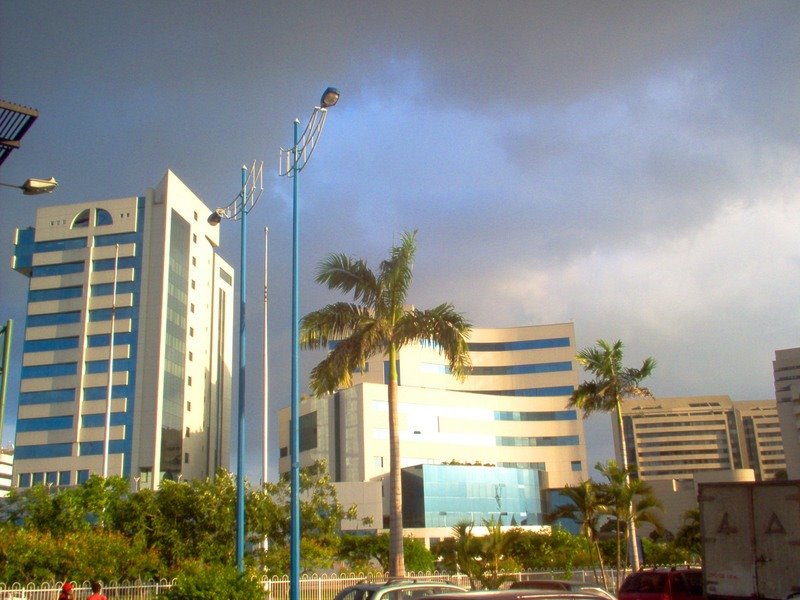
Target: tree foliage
103, 530
380, 322
199, 580
611, 384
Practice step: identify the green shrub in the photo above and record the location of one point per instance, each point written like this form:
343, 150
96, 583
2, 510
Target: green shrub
200, 581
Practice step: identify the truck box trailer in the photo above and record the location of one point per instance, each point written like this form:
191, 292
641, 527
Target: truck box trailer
751, 539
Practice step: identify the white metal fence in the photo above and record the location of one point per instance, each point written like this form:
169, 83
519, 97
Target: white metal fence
312, 587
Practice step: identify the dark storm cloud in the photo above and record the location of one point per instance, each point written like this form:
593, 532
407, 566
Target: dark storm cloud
631, 166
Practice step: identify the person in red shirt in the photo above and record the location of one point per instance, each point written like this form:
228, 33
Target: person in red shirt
66, 592
96, 595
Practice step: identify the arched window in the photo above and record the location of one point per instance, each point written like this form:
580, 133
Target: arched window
82, 220
102, 217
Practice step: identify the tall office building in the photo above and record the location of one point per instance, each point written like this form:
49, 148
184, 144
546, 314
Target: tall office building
786, 369
133, 287
676, 438
761, 437
510, 413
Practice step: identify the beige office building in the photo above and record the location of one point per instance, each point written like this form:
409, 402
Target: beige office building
133, 287
786, 369
676, 438
511, 412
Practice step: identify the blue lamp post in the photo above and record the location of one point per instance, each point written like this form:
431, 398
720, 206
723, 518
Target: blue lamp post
293, 160
252, 186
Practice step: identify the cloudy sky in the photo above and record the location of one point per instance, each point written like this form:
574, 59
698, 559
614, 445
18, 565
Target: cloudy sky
633, 167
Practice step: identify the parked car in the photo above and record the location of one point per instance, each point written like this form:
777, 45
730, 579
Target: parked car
518, 594
676, 583
561, 584
396, 589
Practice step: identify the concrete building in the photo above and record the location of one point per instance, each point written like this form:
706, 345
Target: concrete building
762, 443
675, 438
510, 416
786, 369
163, 330
6, 469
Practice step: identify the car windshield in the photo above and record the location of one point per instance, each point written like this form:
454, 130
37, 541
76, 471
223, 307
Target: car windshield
645, 583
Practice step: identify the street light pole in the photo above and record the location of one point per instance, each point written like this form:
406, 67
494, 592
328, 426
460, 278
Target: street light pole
252, 186
6, 331
296, 159
242, 369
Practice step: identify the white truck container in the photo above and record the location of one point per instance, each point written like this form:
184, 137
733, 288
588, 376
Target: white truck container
751, 539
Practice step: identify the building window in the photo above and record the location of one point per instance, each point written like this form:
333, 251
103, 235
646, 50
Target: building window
82, 220
188, 433
194, 238
378, 462
191, 356
83, 476
188, 406
191, 331
576, 465
194, 261
195, 215
64, 478
193, 284
189, 380
186, 458
24, 480
191, 308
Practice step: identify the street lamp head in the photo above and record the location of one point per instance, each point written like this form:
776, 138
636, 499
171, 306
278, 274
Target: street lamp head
329, 97
216, 217
39, 186
33, 186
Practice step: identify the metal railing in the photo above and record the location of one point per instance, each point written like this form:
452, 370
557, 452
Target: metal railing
312, 587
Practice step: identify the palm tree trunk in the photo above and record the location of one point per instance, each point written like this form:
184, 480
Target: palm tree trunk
397, 567
630, 531
600, 560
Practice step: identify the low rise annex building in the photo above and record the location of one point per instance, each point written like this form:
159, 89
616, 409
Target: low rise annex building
127, 353
486, 447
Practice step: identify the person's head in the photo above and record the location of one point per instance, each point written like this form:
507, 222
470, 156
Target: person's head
96, 586
67, 587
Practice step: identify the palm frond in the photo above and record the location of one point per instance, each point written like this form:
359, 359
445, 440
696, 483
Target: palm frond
333, 322
346, 274
442, 326
336, 369
395, 275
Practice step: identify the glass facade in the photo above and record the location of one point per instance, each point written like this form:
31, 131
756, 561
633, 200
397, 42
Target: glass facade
561, 390
175, 347
443, 495
561, 342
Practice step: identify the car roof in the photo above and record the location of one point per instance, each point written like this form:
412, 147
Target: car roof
517, 594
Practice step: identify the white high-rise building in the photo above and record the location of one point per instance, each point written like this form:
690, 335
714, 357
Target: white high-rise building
677, 438
786, 369
163, 330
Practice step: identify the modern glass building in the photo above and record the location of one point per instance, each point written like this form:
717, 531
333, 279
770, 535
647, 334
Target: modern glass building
127, 351
510, 415
443, 495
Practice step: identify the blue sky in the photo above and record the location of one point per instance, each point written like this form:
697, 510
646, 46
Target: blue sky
633, 167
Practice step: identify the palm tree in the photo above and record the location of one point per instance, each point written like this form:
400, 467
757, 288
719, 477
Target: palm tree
611, 384
629, 501
380, 323
585, 509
